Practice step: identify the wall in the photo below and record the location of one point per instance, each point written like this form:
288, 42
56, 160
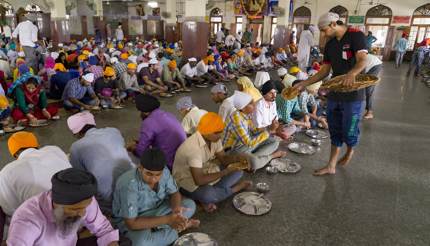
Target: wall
227, 9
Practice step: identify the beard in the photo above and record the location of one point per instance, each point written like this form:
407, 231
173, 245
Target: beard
66, 225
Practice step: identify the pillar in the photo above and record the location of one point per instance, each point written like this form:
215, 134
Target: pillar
171, 29
282, 31
59, 22
195, 29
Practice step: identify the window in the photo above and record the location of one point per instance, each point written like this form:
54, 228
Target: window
273, 29
239, 24
421, 21
412, 37
216, 20
380, 32
378, 21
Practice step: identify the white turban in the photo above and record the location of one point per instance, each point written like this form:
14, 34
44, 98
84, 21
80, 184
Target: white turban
192, 59
241, 99
60, 45
55, 55
326, 19
282, 71
89, 77
302, 76
153, 61
261, 78
133, 59
113, 60
21, 54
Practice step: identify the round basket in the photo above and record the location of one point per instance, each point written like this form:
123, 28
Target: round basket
361, 81
290, 93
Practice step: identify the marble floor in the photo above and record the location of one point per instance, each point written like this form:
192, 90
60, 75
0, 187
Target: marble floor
381, 198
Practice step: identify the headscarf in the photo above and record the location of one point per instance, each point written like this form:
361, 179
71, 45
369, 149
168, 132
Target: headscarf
72, 185
59, 67
146, 103
210, 123
153, 159
4, 103
77, 121
241, 99
49, 62
184, 103
21, 80
249, 88
21, 140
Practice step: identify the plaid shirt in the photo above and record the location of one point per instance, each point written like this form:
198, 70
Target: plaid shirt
241, 131
305, 100
286, 108
96, 70
120, 68
74, 89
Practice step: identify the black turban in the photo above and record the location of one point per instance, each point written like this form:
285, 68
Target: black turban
71, 186
153, 160
267, 87
146, 103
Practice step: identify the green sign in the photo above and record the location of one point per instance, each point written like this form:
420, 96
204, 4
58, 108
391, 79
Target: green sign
356, 19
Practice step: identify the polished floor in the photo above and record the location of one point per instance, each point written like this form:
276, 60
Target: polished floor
381, 198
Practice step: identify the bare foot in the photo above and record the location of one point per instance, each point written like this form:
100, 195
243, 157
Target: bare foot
242, 185
209, 208
346, 158
192, 223
279, 154
368, 115
324, 171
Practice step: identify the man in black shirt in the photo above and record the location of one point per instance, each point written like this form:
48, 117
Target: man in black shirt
345, 53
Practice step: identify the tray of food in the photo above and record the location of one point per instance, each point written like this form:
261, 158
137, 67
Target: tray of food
252, 203
302, 148
318, 134
195, 239
284, 165
240, 165
361, 81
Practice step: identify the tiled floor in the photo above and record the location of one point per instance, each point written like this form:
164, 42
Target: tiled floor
382, 198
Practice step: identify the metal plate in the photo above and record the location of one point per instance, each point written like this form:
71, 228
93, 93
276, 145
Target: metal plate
285, 165
302, 148
252, 203
319, 134
195, 239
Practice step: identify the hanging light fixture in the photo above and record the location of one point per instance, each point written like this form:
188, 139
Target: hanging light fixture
153, 4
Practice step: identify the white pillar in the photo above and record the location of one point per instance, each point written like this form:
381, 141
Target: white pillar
58, 9
195, 8
283, 20
171, 9
99, 7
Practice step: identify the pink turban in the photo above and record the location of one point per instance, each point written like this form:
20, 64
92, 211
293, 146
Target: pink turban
77, 121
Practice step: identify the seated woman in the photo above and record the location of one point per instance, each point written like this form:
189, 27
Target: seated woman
241, 135
21, 68
47, 71
244, 84
31, 101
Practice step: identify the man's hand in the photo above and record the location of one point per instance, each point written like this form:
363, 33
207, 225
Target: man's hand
131, 147
180, 210
177, 221
349, 80
97, 101
274, 126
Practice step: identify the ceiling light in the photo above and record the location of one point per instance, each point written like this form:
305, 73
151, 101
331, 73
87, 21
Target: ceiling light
153, 4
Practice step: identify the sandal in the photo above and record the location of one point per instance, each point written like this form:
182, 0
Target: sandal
39, 123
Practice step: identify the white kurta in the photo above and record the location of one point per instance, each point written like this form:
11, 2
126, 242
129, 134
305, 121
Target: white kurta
304, 49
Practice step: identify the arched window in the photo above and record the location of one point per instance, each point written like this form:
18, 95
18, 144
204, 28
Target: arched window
215, 20
420, 28
341, 11
6, 8
33, 8
378, 20
302, 15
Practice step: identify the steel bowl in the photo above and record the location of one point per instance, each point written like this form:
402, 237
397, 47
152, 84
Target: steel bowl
262, 187
316, 142
271, 170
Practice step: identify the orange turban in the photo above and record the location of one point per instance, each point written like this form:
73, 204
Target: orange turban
241, 53
82, 58
132, 66
172, 64
210, 123
109, 72
4, 103
211, 58
59, 67
71, 57
169, 51
21, 140
124, 56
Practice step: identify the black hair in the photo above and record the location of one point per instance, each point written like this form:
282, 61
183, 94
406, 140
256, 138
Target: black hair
86, 128
340, 23
32, 80
160, 55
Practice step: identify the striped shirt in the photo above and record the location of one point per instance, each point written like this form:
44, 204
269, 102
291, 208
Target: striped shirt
286, 108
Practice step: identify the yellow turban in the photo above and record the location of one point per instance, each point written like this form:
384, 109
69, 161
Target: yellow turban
211, 58
85, 52
172, 64
4, 103
59, 67
132, 66
21, 140
210, 123
241, 53
109, 72
124, 56
294, 70
120, 46
169, 51
82, 58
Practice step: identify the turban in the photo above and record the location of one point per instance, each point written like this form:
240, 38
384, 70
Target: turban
146, 103
93, 60
153, 160
132, 66
326, 19
49, 62
219, 88
133, 59
314, 87
211, 58
82, 58
71, 57
267, 87
109, 72
120, 46
282, 71
4, 103
261, 78
60, 45
241, 99
21, 54
210, 123
302, 76
192, 59
89, 77
124, 56
77, 121
172, 64
85, 52
294, 70
72, 185
241, 53
113, 60
23, 68
184, 103
169, 51
153, 61
59, 67
19, 61
21, 140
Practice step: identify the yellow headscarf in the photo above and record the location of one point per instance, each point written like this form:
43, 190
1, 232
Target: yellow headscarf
248, 87
4, 103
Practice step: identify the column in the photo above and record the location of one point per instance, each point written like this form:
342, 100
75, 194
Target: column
171, 30
59, 22
195, 29
282, 33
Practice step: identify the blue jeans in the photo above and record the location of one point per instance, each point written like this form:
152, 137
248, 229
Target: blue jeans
68, 105
215, 193
343, 120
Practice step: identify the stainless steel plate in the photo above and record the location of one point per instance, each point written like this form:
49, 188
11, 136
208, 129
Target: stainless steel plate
319, 134
195, 239
285, 165
302, 148
252, 203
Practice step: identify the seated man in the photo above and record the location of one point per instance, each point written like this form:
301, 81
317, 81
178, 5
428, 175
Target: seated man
173, 78
203, 69
54, 217
309, 105
219, 94
189, 72
286, 79
191, 114
107, 89
201, 165
30, 173
129, 83
147, 206
265, 115
159, 129
241, 136
58, 81
151, 80
100, 151
79, 95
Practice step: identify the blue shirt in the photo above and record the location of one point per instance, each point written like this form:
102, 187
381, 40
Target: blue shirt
102, 153
133, 197
74, 89
401, 45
